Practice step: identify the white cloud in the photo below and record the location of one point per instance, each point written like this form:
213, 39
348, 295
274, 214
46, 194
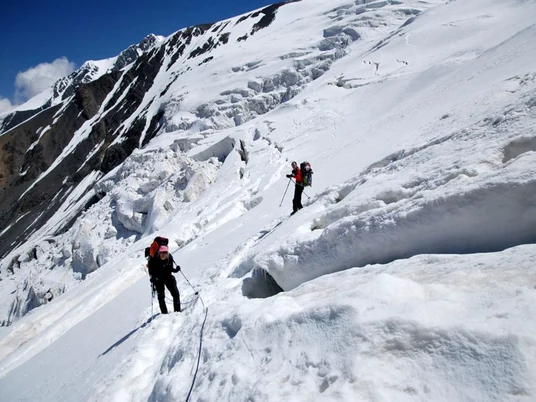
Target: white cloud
36, 79
5, 104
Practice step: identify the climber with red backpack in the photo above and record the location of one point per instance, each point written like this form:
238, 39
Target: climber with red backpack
160, 265
303, 177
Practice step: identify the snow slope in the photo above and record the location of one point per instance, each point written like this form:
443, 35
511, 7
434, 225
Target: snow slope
408, 276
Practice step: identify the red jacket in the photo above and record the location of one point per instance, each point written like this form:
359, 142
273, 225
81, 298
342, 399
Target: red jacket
297, 175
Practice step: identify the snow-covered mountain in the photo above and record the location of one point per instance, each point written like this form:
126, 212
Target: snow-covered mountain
46, 146
408, 276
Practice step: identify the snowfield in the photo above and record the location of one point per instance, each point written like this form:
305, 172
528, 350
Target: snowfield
410, 275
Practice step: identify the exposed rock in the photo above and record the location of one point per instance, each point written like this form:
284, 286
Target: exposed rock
42, 200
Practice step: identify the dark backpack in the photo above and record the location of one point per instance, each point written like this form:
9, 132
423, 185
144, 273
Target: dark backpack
158, 241
306, 173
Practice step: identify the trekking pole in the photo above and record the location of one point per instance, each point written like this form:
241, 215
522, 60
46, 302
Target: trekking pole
289, 180
152, 298
303, 192
196, 292
180, 270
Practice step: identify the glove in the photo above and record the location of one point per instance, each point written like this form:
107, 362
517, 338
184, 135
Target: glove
176, 269
289, 176
151, 279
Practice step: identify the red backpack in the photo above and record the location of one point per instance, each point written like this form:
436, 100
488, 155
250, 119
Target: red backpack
158, 241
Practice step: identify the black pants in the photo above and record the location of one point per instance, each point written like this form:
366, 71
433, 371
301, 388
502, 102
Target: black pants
296, 202
171, 284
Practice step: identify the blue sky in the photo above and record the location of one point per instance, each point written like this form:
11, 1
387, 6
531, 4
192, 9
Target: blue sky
35, 32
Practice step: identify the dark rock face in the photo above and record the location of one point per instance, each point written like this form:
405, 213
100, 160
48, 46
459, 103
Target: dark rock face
15, 143
19, 117
183, 38
50, 138
126, 57
132, 53
32, 147
267, 18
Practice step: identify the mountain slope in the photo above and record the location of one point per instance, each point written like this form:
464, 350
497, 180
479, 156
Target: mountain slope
187, 83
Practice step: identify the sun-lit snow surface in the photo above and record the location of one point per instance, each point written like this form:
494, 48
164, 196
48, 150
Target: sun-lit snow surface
423, 147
